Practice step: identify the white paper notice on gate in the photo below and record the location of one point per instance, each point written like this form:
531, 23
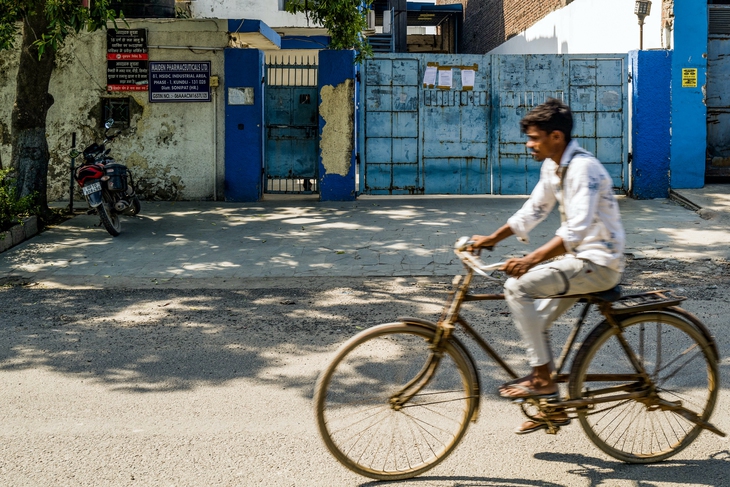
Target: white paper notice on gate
429, 77
446, 78
467, 79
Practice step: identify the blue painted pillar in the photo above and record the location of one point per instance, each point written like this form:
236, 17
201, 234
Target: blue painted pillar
689, 113
651, 76
244, 71
337, 125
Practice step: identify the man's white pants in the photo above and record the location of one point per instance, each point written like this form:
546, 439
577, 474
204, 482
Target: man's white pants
533, 312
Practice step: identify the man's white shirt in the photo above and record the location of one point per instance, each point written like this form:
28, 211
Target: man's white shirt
592, 228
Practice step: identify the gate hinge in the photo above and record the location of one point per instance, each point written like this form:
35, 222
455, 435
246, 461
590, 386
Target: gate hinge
630, 77
631, 157
357, 76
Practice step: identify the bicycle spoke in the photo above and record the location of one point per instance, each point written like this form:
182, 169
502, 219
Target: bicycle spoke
355, 416
419, 422
359, 435
685, 396
676, 371
675, 353
364, 419
422, 404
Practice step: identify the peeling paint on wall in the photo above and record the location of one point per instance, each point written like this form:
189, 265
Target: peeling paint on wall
338, 111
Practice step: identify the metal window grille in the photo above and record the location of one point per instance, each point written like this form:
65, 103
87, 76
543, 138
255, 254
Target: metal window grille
118, 109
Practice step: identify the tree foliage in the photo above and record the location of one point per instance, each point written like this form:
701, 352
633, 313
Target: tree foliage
345, 21
44, 25
64, 17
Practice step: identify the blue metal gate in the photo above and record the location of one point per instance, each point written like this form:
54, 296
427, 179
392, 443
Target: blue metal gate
718, 106
461, 134
292, 126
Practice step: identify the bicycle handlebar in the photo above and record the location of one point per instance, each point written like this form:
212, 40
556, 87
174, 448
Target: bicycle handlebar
473, 261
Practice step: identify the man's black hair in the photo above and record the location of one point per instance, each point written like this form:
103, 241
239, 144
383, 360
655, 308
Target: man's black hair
550, 116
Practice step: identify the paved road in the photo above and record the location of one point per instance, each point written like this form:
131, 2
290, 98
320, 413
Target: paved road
191, 387
372, 237
184, 352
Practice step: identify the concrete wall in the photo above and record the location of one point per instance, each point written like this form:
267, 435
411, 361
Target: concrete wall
689, 112
650, 115
588, 26
175, 149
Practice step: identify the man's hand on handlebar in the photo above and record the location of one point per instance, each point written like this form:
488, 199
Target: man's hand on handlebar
480, 242
518, 266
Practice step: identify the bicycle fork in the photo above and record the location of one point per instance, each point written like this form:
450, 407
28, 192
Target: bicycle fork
443, 332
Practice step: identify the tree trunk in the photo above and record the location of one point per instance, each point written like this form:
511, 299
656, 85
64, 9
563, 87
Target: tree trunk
28, 123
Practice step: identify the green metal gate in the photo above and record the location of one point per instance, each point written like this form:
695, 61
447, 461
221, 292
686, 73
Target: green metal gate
292, 125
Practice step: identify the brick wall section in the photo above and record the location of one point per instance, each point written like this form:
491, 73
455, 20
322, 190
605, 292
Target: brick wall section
488, 23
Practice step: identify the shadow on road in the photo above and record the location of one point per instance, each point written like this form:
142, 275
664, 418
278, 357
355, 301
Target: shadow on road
151, 340
710, 472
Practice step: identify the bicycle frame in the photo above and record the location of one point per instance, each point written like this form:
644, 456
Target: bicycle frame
637, 386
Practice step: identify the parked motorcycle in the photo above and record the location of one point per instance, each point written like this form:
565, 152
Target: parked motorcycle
107, 185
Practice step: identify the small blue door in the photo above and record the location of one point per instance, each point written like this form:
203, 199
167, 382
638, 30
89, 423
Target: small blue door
291, 125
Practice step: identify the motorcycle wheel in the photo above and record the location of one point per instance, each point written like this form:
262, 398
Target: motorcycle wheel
136, 205
109, 217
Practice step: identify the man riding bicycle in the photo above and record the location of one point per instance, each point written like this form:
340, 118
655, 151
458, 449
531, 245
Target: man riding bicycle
591, 238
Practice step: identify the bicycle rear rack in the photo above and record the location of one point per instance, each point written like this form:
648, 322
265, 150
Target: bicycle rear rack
634, 303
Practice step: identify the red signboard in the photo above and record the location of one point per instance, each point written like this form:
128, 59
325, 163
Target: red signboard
126, 57
126, 87
127, 60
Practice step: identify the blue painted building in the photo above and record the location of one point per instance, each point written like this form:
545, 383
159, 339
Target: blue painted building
670, 141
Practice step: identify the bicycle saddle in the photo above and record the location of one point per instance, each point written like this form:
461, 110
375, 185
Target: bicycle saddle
609, 296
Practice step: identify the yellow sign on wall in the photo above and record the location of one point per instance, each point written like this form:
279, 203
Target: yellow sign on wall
689, 77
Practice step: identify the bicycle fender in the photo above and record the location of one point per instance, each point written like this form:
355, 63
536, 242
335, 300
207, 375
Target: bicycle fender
409, 320
700, 326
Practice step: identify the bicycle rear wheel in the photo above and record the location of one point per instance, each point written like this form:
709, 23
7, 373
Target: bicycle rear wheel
681, 367
353, 402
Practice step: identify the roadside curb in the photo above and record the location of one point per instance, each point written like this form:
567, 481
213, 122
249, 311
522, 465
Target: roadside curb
690, 205
19, 233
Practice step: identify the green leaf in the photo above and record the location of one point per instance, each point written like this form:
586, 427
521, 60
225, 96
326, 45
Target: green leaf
345, 21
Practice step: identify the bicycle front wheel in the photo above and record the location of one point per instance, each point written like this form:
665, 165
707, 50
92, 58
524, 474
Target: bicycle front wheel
353, 401
681, 368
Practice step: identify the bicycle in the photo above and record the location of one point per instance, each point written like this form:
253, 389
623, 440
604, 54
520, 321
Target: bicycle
397, 398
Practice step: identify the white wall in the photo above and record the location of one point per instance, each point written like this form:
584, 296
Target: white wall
588, 27
267, 11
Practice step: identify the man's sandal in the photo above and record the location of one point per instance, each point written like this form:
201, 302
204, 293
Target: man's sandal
512, 382
529, 393
532, 426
